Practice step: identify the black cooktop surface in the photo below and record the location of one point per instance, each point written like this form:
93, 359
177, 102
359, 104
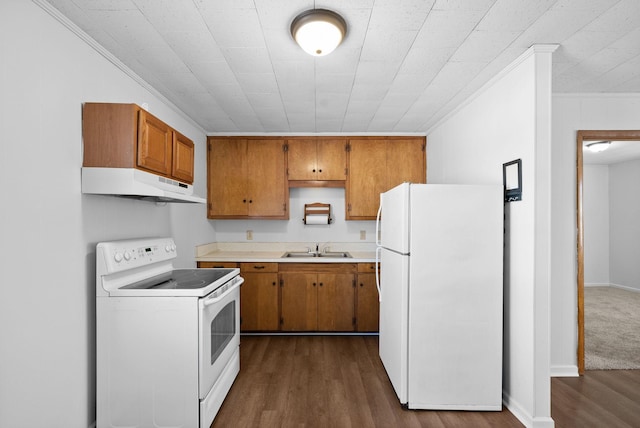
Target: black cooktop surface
182, 279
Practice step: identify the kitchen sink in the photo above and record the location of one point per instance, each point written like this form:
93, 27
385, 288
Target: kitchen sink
301, 254
336, 254
306, 254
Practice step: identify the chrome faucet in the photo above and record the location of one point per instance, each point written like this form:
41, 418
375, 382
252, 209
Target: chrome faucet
317, 247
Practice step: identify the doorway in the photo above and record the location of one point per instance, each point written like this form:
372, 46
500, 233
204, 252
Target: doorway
582, 137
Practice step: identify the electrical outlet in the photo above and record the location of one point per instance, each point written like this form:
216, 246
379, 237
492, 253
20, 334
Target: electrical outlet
249, 235
363, 235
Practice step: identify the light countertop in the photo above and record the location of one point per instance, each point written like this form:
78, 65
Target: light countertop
271, 252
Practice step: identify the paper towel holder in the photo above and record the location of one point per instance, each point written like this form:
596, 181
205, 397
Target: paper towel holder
317, 209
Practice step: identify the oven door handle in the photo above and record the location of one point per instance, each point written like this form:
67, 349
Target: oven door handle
212, 300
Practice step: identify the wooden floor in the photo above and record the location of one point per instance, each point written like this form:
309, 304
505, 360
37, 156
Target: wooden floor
327, 381
600, 398
338, 381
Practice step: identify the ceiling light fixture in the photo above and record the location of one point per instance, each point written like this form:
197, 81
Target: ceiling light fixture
598, 146
318, 31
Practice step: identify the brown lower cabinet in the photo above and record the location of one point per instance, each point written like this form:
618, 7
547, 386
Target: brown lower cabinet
367, 301
298, 297
259, 297
320, 297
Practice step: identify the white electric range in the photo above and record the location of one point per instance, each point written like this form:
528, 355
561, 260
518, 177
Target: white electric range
167, 339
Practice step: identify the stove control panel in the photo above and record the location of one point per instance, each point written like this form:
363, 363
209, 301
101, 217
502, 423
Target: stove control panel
119, 256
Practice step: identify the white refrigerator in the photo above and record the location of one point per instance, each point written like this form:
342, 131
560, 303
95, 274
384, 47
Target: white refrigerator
440, 249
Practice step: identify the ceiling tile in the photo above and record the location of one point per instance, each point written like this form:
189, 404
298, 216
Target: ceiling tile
258, 83
233, 66
513, 15
248, 60
483, 46
381, 45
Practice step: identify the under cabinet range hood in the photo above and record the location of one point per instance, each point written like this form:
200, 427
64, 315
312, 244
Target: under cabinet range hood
135, 183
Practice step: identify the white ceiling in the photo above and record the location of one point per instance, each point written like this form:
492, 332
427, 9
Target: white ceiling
618, 151
232, 66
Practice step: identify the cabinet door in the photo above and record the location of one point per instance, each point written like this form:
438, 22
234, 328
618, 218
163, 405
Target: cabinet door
367, 178
405, 162
367, 303
227, 171
259, 302
302, 159
331, 159
268, 193
336, 302
183, 154
299, 301
155, 142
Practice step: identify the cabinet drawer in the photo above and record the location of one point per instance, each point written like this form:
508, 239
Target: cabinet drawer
318, 267
217, 264
366, 267
259, 267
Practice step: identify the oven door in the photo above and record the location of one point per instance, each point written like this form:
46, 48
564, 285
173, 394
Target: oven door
219, 332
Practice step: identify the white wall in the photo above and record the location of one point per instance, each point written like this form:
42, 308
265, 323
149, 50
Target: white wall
624, 191
570, 114
595, 212
510, 119
48, 229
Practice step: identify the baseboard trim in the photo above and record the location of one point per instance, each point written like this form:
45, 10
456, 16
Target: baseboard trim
564, 371
624, 287
518, 411
597, 284
523, 416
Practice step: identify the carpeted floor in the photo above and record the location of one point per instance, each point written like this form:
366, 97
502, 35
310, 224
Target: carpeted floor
611, 328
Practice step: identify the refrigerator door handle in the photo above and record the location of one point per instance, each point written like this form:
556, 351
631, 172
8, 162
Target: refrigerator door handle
378, 240
378, 250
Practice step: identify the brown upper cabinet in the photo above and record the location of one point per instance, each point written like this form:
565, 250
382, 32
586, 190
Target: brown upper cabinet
127, 136
247, 178
316, 161
377, 164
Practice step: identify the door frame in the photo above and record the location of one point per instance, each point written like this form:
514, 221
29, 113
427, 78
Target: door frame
588, 135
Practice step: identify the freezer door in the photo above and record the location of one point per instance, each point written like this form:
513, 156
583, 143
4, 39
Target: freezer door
394, 271
394, 223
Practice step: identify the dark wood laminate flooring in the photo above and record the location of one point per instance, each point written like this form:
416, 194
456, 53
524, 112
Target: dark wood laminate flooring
338, 381
327, 381
600, 398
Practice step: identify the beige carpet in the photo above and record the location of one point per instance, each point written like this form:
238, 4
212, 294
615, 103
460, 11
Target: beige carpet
611, 328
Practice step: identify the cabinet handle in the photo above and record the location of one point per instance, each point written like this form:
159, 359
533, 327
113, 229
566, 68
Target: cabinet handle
274, 283
319, 170
244, 201
320, 284
313, 170
250, 201
314, 284
258, 267
361, 285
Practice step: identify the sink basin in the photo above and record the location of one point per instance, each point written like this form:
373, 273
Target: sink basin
301, 254
337, 254
305, 254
